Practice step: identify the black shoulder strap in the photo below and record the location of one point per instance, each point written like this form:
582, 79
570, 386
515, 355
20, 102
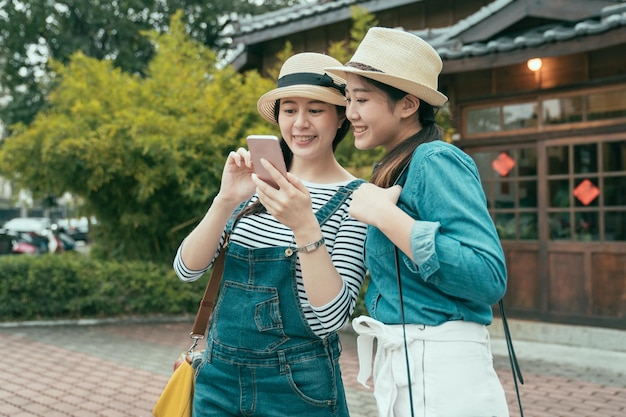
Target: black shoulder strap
515, 369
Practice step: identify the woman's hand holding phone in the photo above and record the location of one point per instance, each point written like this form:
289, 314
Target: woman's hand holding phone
237, 184
286, 198
290, 203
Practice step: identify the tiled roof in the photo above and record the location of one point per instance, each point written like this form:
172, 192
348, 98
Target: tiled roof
449, 48
251, 24
447, 40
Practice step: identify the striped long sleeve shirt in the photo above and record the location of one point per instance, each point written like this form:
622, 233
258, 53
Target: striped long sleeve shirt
345, 238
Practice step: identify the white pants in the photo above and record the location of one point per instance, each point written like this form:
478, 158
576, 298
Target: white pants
452, 372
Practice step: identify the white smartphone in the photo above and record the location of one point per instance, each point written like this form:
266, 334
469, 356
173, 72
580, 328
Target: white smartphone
267, 147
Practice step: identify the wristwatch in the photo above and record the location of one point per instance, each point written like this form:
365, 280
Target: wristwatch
310, 247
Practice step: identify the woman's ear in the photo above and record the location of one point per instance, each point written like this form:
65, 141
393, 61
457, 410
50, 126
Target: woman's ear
409, 105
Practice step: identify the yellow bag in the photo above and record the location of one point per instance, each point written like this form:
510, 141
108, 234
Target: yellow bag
176, 398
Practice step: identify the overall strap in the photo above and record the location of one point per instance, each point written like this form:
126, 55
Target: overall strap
342, 194
230, 225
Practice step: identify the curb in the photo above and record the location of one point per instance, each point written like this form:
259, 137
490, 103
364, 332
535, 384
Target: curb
599, 338
96, 322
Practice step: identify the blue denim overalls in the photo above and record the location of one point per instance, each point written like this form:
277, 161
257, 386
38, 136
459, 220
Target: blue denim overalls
262, 358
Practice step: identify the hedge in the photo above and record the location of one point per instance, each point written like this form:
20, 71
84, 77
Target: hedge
74, 286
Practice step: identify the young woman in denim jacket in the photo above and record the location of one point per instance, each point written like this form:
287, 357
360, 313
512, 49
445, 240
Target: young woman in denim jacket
426, 199
294, 261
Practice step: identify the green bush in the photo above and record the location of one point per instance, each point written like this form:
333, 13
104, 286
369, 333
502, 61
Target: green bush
73, 286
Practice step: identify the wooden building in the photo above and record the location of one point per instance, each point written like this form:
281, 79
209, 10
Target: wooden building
537, 90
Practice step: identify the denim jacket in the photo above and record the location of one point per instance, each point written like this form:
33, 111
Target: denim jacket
459, 269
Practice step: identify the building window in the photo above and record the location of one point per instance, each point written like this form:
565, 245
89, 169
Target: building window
519, 116
613, 162
562, 110
509, 179
483, 120
606, 105
584, 187
546, 112
586, 199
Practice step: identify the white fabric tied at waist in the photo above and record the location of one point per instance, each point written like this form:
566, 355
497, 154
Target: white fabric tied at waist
390, 362
389, 342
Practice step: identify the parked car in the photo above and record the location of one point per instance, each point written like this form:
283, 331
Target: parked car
16, 243
40, 230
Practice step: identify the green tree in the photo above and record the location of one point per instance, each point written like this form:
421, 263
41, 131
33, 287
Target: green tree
145, 153
34, 31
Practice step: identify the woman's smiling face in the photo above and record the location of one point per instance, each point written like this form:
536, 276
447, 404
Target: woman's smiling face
373, 116
308, 126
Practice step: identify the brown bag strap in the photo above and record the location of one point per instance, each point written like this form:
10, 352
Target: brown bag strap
207, 304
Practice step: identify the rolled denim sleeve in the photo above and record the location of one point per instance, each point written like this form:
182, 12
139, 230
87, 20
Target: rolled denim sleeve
422, 236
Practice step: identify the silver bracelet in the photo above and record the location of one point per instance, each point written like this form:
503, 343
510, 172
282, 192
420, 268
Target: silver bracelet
310, 247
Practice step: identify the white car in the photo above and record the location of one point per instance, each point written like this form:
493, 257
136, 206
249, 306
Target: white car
38, 227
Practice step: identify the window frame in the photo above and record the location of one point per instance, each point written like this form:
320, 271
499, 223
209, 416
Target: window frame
541, 126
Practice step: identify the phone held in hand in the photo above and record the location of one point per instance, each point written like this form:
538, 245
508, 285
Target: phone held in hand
267, 147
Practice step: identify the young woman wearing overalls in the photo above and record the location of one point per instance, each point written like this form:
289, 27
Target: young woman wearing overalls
294, 261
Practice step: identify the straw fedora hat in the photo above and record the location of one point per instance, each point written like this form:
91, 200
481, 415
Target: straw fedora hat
399, 59
303, 75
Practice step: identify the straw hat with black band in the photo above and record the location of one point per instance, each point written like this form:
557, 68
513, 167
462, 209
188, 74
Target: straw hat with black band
303, 75
399, 59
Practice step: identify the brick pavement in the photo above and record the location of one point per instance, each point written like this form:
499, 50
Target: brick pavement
116, 370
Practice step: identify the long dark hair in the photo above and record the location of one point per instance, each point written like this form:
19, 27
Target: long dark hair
343, 130
392, 165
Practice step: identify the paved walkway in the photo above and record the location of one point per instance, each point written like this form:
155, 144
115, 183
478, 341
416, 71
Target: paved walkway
119, 369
